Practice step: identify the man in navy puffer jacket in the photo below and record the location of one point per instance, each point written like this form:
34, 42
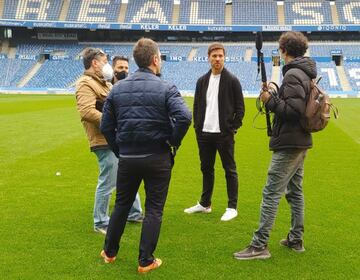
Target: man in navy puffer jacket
143, 117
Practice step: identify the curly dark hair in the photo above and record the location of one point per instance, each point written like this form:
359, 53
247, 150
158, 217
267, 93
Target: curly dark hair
294, 43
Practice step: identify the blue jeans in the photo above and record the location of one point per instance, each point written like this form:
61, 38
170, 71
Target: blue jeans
285, 175
108, 166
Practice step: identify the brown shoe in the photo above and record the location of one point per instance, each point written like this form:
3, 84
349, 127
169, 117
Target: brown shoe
297, 246
106, 258
251, 253
154, 265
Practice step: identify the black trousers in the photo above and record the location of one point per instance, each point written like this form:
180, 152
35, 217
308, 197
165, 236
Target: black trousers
155, 170
208, 144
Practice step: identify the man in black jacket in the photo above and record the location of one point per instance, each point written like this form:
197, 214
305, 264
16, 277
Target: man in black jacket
289, 143
143, 116
218, 113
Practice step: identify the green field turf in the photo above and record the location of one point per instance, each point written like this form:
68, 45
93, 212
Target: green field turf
46, 220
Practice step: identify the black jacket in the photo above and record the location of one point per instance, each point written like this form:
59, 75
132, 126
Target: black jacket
142, 114
231, 102
289, 106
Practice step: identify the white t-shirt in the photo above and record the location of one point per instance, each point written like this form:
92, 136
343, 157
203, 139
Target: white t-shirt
211, 122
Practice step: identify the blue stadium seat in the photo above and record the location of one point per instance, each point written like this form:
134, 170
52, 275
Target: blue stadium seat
330, 79
149, 11
175, 50
324, 50
178, 73
348, 11
245, 12
246, 72
39, 47
57, 74
32, 9
116, 49
202, 12
94, 10
230, 51
13, 70
352, 70
307, 12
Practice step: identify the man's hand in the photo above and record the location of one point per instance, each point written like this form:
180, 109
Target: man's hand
264, 96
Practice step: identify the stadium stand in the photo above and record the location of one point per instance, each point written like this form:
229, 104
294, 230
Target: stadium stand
13, 70
325, 49
94, 10
330, 79
114, 49
231, 51
307, 12
149, 11
266, 49
72, 49
178, 73
175, 50
64, 56
57, 74
348, 11
254, 12
202, 12
353, 74
246, 72
32, 9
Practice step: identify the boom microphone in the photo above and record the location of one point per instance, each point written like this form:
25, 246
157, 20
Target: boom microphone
259, 43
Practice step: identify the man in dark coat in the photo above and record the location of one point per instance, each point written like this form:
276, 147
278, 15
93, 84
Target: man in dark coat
218, 113
289, 143
143, 119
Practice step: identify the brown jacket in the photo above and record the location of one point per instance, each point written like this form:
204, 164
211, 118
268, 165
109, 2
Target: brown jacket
89, 89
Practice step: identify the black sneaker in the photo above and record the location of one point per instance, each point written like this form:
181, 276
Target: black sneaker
296, 246
252, 252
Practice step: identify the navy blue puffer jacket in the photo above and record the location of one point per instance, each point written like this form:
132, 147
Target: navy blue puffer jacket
142, 113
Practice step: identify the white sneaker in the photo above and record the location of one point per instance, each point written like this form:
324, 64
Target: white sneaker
198, 209
230, 213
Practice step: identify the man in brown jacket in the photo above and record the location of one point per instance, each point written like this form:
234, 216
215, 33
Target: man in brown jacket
91, 91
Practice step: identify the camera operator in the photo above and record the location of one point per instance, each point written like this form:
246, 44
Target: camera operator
289, 143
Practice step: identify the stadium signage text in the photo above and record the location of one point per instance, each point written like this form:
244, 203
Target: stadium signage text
59, 57
332, 28
178, 27
336, 52
174, 58
149, 26
276, 28
56, 36
27, 56
200, 59
352, 58
220, 28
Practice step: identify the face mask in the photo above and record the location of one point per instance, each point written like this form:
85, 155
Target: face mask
121, 75
107, 71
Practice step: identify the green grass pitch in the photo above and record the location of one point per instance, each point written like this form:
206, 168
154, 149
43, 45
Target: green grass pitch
46, 220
